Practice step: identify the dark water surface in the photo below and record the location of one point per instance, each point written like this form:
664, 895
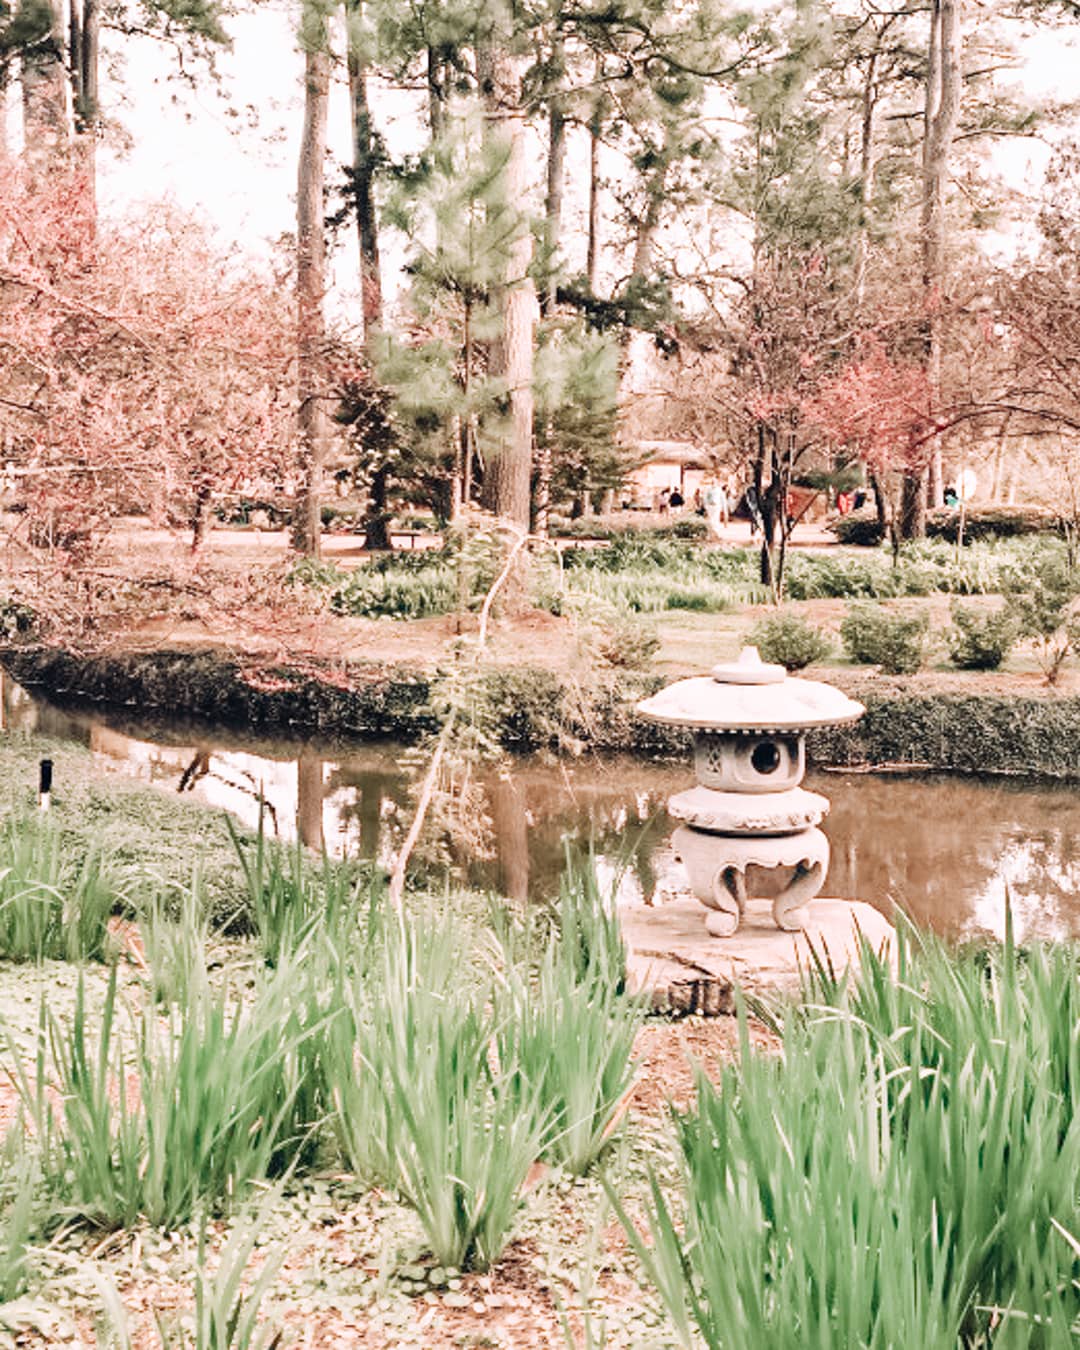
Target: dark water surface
949, 850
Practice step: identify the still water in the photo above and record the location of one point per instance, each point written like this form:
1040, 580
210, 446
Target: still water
948, 850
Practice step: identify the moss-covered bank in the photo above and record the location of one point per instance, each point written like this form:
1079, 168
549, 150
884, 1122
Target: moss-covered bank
144, 833
908, 721
964, 733
532, 705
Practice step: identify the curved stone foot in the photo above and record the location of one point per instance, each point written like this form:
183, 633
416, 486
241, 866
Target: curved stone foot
788, 869
789, 907
720, 923
727, 901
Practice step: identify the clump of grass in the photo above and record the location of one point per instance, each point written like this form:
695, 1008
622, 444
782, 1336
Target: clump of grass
175, 940
590, 938
902, 1174
17, 1187
422, 1105
289, 899
48, 911
157, 1115
569, 1028
570, 1042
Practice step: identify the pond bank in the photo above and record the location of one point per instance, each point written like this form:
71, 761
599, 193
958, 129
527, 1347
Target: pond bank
912, 720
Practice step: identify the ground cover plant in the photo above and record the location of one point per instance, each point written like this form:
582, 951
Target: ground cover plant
650, 571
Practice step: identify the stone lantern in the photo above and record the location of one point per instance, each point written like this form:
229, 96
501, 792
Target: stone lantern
748, 827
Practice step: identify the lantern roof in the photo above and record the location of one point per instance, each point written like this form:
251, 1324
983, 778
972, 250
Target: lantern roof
750, 695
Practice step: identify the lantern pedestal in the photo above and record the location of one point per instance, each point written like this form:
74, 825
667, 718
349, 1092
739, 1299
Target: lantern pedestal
671, 961
724, 870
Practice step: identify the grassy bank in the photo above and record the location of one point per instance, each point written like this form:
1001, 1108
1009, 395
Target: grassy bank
364, 1113
155, 836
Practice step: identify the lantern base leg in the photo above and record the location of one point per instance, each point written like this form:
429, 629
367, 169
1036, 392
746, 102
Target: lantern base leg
788, 908
724, 869
728, 902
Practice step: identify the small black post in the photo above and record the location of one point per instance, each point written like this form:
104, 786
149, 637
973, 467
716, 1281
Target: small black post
45, 784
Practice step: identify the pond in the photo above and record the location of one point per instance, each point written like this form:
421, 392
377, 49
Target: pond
951, 851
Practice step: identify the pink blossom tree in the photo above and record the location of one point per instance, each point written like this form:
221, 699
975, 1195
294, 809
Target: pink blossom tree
141, 366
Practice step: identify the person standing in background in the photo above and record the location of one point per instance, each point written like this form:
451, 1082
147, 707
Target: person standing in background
715, 508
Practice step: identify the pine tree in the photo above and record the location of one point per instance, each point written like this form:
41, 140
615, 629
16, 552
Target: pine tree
311, 280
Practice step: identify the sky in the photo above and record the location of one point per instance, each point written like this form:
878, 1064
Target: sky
231, 155
233, 159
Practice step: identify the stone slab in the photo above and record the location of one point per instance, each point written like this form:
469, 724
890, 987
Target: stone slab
684, 969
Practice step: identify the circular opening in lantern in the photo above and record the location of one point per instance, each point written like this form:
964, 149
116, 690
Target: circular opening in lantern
765, 757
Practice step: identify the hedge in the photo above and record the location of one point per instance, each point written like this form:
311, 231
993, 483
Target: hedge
977, 733
980, 522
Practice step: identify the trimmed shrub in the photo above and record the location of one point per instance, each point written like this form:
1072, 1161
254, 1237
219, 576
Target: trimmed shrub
980, 522
895, 642
966, 733
691, 528
980, 640
789, 641
991, 522
860, 527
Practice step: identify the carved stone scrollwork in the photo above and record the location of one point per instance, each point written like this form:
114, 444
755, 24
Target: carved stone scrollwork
725, 870
729, 902
788, 907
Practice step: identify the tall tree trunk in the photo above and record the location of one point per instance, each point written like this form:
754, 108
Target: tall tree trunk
913, 506
310, 287
200, 515
377, 518
510, 825
542, 523
5, 85
364, 165
556, 162
44, 83
83, 64
592, 256
508, 471
866, 171
944, 80
436, 93
648, 226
